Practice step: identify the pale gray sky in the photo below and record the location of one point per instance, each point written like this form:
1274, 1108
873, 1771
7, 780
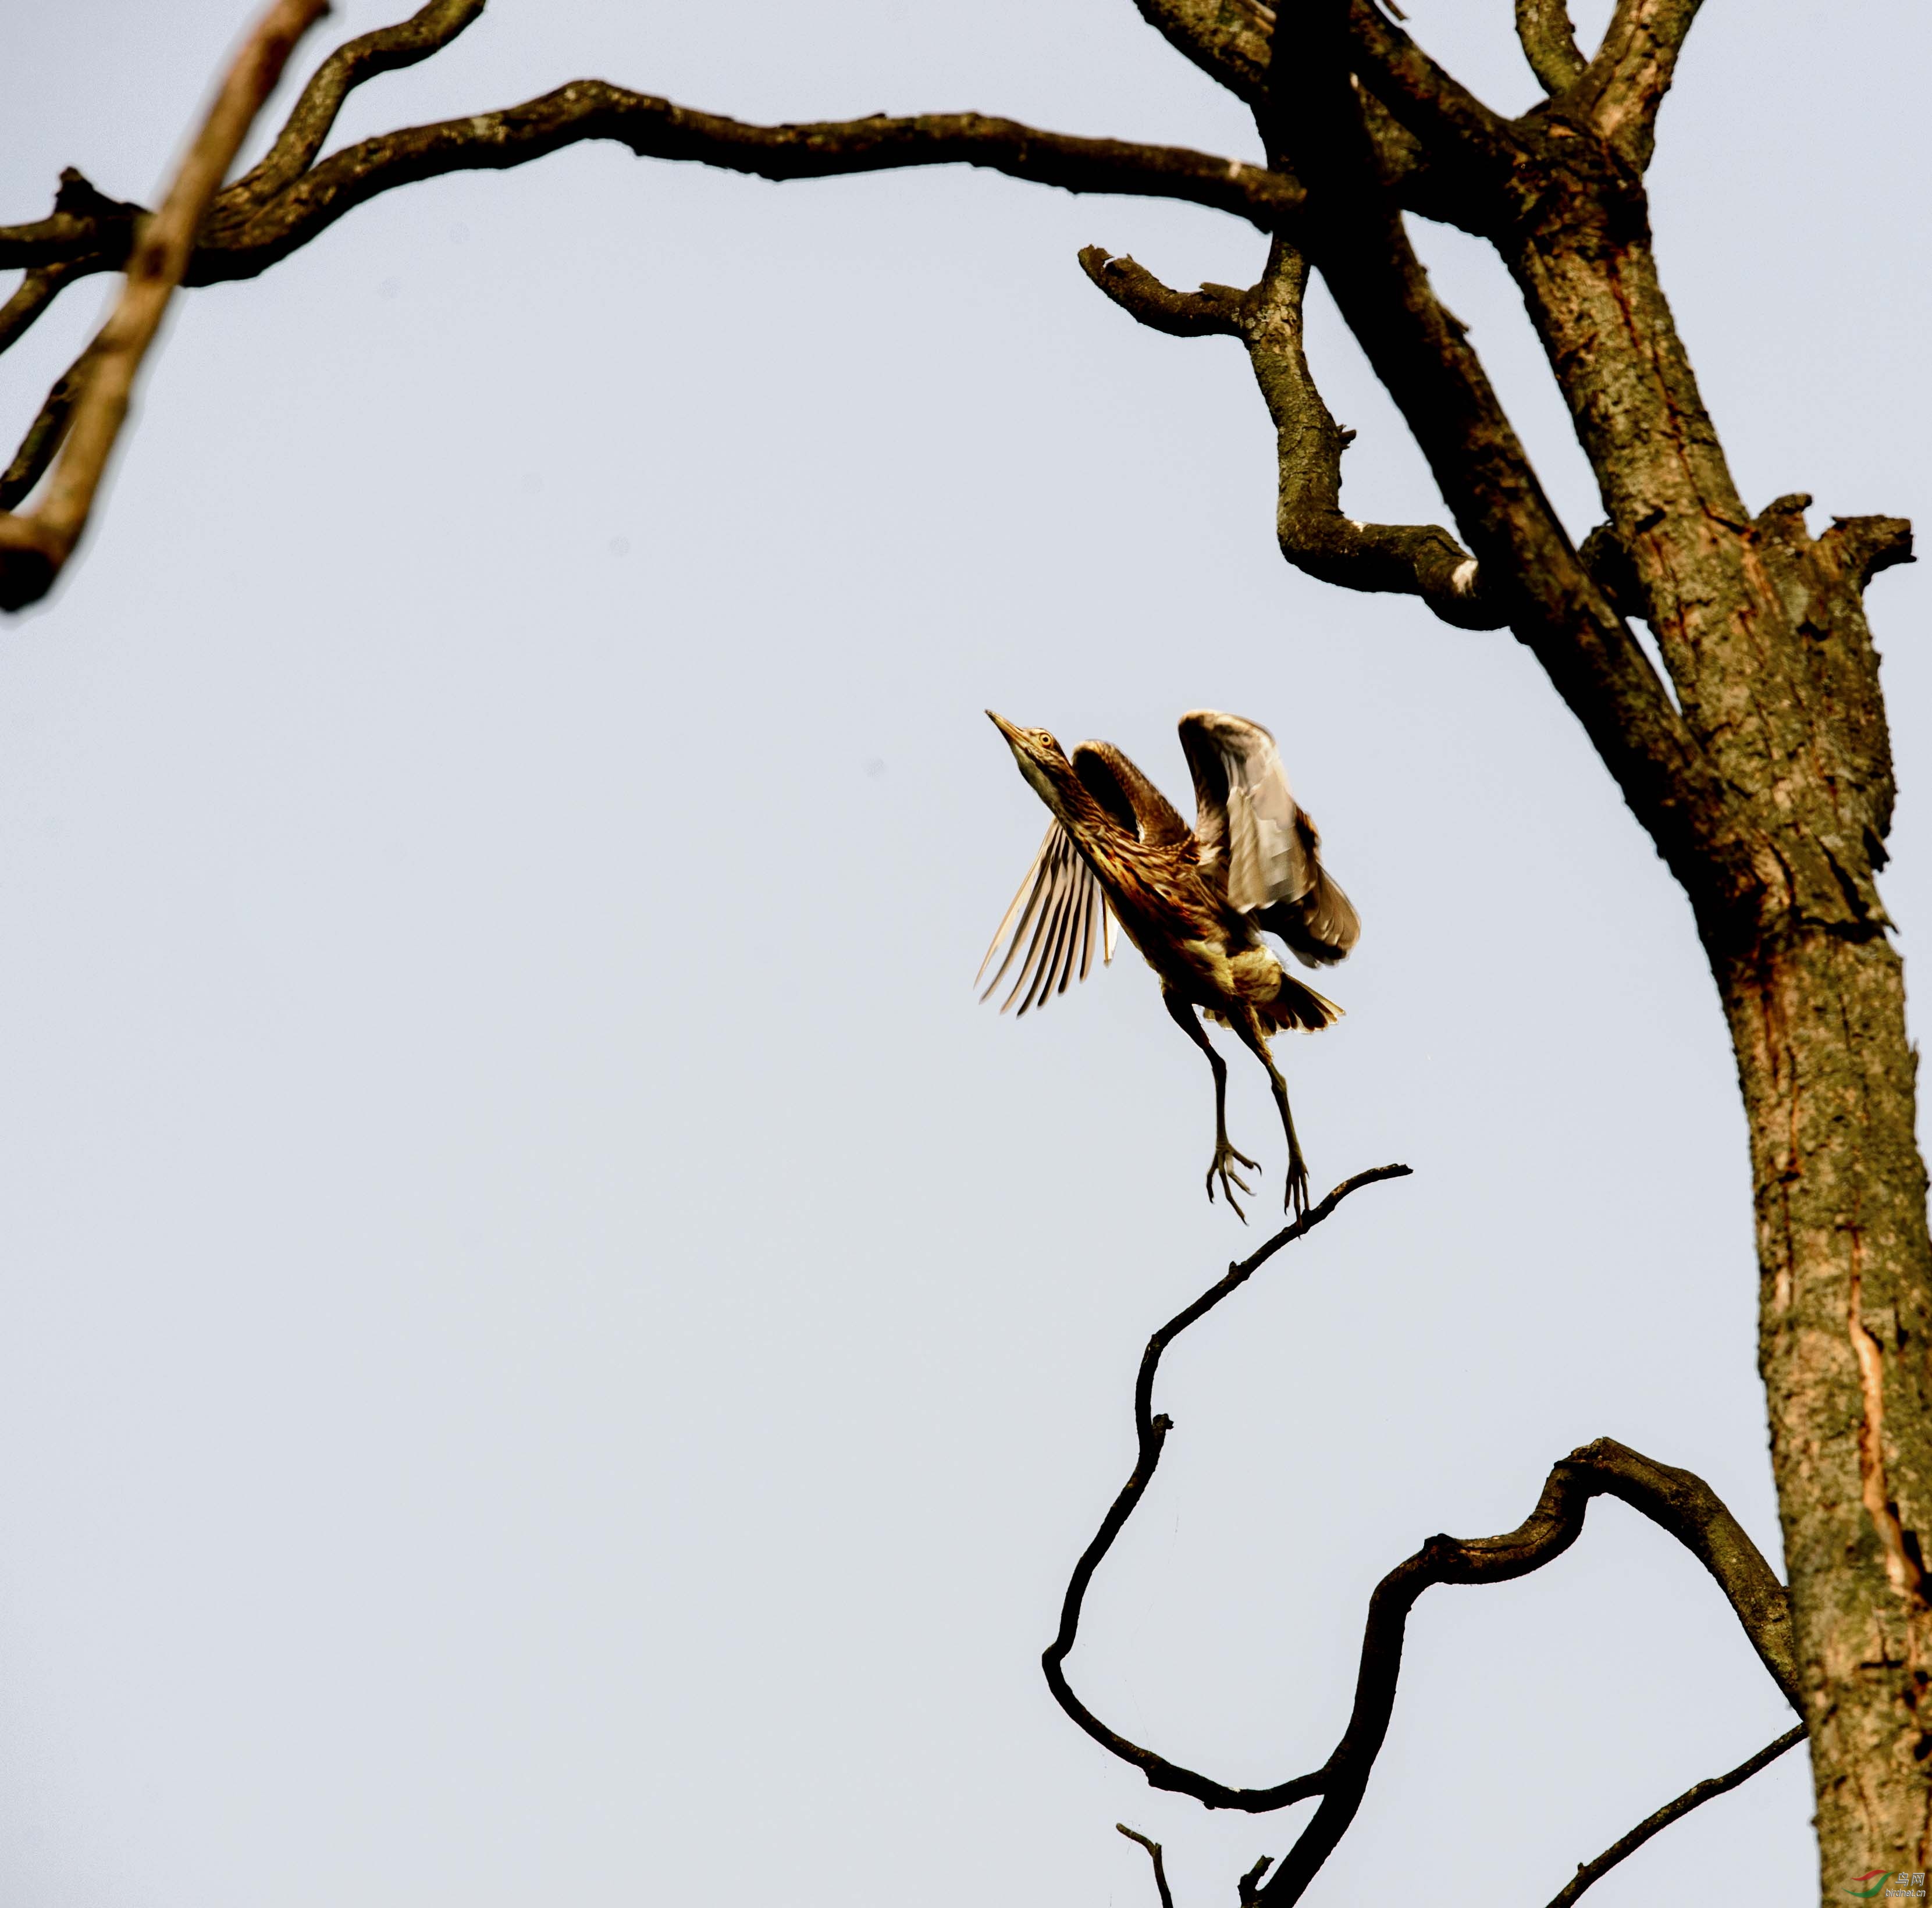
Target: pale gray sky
551, 1352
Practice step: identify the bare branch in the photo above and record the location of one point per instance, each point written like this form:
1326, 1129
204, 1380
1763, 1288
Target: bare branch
243, 235
1150, 1433
1427, 99
1409, 560
31, 296
1248, 1887
242, 240
1626, 82
388, 49
1215, 310
1231, 40
1548, 43
85, 224
1677, 1502
1694, 1797
1154, 1855
1412, 559
45, 435
33, 548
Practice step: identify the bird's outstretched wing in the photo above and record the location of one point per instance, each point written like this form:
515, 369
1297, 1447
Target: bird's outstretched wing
1251, 825
1061, 908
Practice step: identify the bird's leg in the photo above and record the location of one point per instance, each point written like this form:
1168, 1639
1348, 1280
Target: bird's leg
1295, 1200
1226, 1157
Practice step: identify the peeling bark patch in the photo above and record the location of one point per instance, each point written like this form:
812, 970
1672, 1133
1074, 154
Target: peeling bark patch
1902, 1568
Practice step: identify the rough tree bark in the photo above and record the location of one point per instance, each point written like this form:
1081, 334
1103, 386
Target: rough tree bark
1761, 769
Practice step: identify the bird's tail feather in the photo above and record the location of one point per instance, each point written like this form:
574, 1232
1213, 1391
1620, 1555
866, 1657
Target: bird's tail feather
1295, 1006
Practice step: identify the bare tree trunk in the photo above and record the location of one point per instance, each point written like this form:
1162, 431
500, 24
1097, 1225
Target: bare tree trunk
1763, 632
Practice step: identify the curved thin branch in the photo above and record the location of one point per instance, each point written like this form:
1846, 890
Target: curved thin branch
34, 548
1678, 1502
1409, 560
1421, 560
1154, 1855
1548, 42
388, 49
1150, 1433
1626, 82
1694, 1797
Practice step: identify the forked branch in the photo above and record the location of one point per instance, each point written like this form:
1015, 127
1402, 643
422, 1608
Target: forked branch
1678, 1501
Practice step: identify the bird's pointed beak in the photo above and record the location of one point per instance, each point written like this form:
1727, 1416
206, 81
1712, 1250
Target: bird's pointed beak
1005, 727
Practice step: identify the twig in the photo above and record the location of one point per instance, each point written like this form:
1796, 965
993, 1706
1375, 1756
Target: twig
1154, 1855
33, 548
1693, 1797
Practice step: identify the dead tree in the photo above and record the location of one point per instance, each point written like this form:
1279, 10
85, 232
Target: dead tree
1760, 769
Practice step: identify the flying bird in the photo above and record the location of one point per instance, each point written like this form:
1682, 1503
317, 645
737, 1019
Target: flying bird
1195, 901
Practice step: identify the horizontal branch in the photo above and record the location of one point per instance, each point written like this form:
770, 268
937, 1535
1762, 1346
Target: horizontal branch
1589, 1873
244, 234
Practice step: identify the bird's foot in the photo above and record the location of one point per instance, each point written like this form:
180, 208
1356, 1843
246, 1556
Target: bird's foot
1225, 1158
1294, 1200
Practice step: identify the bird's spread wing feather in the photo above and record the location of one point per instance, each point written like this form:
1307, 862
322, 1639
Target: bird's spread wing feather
1060, 915
1250, 822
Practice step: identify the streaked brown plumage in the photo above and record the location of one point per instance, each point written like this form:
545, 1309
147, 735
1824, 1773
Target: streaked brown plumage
1193, 900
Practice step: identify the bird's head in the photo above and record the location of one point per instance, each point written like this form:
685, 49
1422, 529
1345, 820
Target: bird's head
1043, 761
